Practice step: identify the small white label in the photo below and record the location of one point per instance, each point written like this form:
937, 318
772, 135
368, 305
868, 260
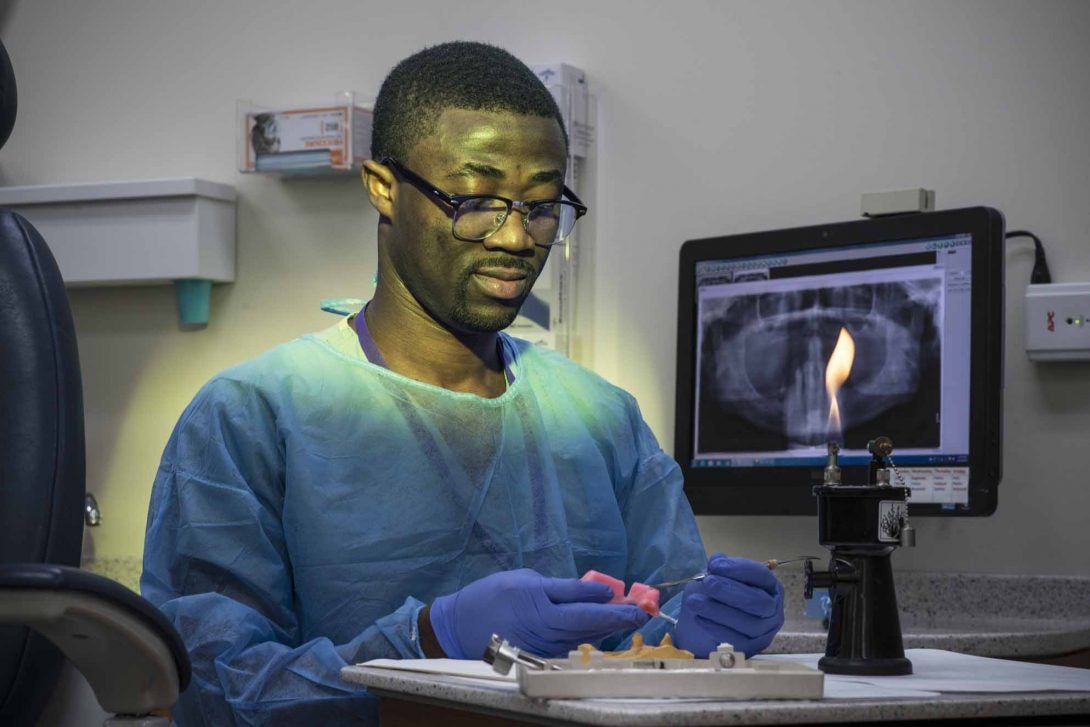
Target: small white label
891, 514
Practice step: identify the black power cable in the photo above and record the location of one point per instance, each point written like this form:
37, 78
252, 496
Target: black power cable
1040, 272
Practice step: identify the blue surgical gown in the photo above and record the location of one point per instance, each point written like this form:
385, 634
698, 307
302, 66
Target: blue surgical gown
309, 503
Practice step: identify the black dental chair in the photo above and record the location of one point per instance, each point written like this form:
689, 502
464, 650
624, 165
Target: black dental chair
126, 649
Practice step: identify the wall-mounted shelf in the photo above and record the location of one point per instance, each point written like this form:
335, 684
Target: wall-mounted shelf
147, 232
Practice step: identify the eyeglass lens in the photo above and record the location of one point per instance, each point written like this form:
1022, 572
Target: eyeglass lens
547, 223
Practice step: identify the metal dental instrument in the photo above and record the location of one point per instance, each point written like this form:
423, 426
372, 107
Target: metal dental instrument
502, 656
667, 584
772, 563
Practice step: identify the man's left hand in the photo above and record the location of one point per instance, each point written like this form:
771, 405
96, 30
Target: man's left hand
739, 602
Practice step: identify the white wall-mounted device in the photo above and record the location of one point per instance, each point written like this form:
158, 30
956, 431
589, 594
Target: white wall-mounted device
898, 202
1058, 322
547, 317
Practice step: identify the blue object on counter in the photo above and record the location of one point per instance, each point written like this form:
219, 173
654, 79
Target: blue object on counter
819, 605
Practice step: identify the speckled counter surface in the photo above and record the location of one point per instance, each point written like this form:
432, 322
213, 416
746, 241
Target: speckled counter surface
980, 614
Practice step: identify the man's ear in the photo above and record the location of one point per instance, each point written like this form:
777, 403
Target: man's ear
379, 181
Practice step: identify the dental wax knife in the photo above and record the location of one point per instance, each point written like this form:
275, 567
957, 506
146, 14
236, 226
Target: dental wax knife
772, 563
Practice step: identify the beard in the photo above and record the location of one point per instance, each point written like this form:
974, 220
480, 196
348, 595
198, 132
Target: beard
479, 321
439, 278
496, 315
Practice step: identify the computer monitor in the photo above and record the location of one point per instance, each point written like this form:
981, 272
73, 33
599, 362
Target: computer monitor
789, 339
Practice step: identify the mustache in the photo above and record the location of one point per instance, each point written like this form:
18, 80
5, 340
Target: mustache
503, 261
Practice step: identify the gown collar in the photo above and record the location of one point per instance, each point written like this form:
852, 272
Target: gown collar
374, 356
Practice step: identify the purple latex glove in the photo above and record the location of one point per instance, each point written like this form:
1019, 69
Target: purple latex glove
739, 602
545, 616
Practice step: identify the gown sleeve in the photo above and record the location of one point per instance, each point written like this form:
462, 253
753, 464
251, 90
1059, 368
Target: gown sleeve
216, 563
663, 540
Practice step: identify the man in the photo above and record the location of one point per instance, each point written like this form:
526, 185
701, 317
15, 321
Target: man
410, 480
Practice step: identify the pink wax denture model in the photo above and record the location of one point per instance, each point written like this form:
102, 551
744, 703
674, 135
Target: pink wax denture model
639, 594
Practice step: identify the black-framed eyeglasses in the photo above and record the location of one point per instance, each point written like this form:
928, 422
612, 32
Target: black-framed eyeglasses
476, 216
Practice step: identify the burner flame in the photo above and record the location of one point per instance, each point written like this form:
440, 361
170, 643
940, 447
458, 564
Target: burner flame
836, 373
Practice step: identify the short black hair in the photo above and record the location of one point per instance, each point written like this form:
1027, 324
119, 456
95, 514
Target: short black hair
462, 75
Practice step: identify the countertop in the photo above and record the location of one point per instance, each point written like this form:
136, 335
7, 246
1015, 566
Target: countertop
1008, 616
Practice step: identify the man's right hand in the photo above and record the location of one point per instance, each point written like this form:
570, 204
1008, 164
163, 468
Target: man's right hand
545, 616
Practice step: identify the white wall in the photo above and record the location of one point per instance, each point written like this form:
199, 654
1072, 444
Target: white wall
714, 117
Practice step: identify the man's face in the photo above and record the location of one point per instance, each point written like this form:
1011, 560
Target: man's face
475, 287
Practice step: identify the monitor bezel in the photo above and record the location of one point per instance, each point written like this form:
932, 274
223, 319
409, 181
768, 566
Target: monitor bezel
716, 491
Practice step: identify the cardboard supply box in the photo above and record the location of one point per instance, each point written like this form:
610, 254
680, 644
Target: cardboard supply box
311, 139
